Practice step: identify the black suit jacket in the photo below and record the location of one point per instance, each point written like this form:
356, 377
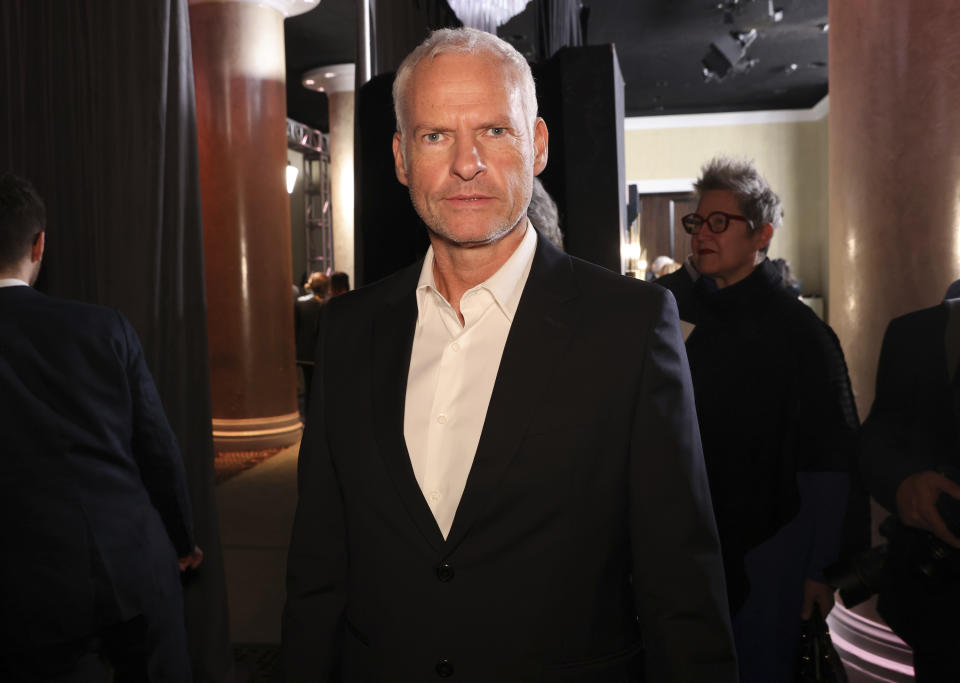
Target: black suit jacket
584, 535
306, 321
912, 426
92, 487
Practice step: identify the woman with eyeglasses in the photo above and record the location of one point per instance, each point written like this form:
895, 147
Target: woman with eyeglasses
777, 418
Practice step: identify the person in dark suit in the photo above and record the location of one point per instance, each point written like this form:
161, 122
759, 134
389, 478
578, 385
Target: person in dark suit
911, 437
459, 515
93, 494
339, 283
306, 321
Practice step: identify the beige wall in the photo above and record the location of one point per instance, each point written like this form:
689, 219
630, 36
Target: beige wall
793, 158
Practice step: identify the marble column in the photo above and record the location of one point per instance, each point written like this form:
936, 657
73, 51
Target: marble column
894, 136
240, 77
338, 82
894, 169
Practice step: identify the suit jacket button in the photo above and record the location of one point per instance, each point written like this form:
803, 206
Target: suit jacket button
444, 572
444, 668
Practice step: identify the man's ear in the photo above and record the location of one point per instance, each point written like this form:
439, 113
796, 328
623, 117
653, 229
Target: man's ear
36, 251
398, 158
540, 145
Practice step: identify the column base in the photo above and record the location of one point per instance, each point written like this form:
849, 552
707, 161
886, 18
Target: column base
256, 433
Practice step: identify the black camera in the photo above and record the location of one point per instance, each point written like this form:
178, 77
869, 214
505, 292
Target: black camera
910, 554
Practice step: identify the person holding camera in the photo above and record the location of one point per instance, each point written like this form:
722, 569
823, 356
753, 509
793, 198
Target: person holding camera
910, 462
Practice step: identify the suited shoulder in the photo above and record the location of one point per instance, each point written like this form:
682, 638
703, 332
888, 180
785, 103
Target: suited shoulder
925, 318
29, 304
618, 290
359, 302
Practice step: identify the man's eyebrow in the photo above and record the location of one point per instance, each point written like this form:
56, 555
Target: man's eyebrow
426, 127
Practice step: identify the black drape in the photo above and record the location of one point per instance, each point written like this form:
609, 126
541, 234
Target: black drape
398, 27
559, 24
97, 109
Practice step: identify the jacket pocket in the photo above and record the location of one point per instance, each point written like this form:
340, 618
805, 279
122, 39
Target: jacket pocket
358, 665
622, 666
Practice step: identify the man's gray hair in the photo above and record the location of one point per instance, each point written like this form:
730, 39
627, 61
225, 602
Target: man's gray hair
758, 203
464, 41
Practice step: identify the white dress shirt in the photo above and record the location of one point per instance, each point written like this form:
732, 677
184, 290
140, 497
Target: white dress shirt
12, 282
452, 371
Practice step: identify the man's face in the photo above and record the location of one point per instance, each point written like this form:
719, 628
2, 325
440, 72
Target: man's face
466, 153
731, 255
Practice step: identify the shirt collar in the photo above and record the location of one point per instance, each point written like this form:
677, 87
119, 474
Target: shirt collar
506, 285
12, 282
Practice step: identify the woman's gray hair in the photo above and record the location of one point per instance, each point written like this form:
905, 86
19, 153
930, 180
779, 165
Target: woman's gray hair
758, 203
463, 41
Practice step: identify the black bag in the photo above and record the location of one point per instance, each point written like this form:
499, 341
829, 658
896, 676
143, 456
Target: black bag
818, 658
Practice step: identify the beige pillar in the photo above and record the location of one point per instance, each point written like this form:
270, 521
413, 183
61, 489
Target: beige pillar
338, 82
240, 77
894, 135
894, 169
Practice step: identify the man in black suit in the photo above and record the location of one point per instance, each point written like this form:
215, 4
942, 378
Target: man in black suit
501, 477
93, 495
910, 439
306, 321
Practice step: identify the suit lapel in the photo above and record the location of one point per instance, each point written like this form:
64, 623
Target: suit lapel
539, 333
393, 330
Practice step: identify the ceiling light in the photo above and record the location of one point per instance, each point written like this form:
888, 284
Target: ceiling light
486, 15
775, 13
728, 54
309, 81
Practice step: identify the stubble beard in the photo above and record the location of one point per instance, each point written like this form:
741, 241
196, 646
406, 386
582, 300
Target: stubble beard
437, 226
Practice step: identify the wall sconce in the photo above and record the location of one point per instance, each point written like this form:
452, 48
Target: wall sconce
292, 173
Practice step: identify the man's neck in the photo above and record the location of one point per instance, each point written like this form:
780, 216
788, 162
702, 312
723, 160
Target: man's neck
457, 269
23, 274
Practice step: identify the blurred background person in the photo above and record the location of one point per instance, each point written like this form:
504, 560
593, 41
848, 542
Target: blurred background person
776, 415
787, 279
339, 283
663, 265
544, 215
911, 464
306, 326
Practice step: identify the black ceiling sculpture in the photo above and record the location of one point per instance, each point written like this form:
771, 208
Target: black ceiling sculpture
677, 56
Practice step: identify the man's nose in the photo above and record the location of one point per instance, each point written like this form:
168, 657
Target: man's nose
467, 158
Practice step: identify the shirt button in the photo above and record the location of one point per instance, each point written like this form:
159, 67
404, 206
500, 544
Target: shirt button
435, 496
442, 419
444, 668
455, 346
444, 572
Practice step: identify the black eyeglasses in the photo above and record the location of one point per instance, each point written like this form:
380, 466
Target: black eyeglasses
717, 221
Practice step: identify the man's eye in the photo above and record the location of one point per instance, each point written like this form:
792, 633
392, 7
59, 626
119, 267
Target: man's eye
498, 131
432, 137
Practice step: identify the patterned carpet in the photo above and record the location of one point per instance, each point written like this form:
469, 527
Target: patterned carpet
228, 464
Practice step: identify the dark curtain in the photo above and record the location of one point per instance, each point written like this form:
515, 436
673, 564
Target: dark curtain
97, 109
398, 27
559, 23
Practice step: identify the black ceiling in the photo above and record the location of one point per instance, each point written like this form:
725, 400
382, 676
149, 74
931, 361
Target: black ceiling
660, 43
